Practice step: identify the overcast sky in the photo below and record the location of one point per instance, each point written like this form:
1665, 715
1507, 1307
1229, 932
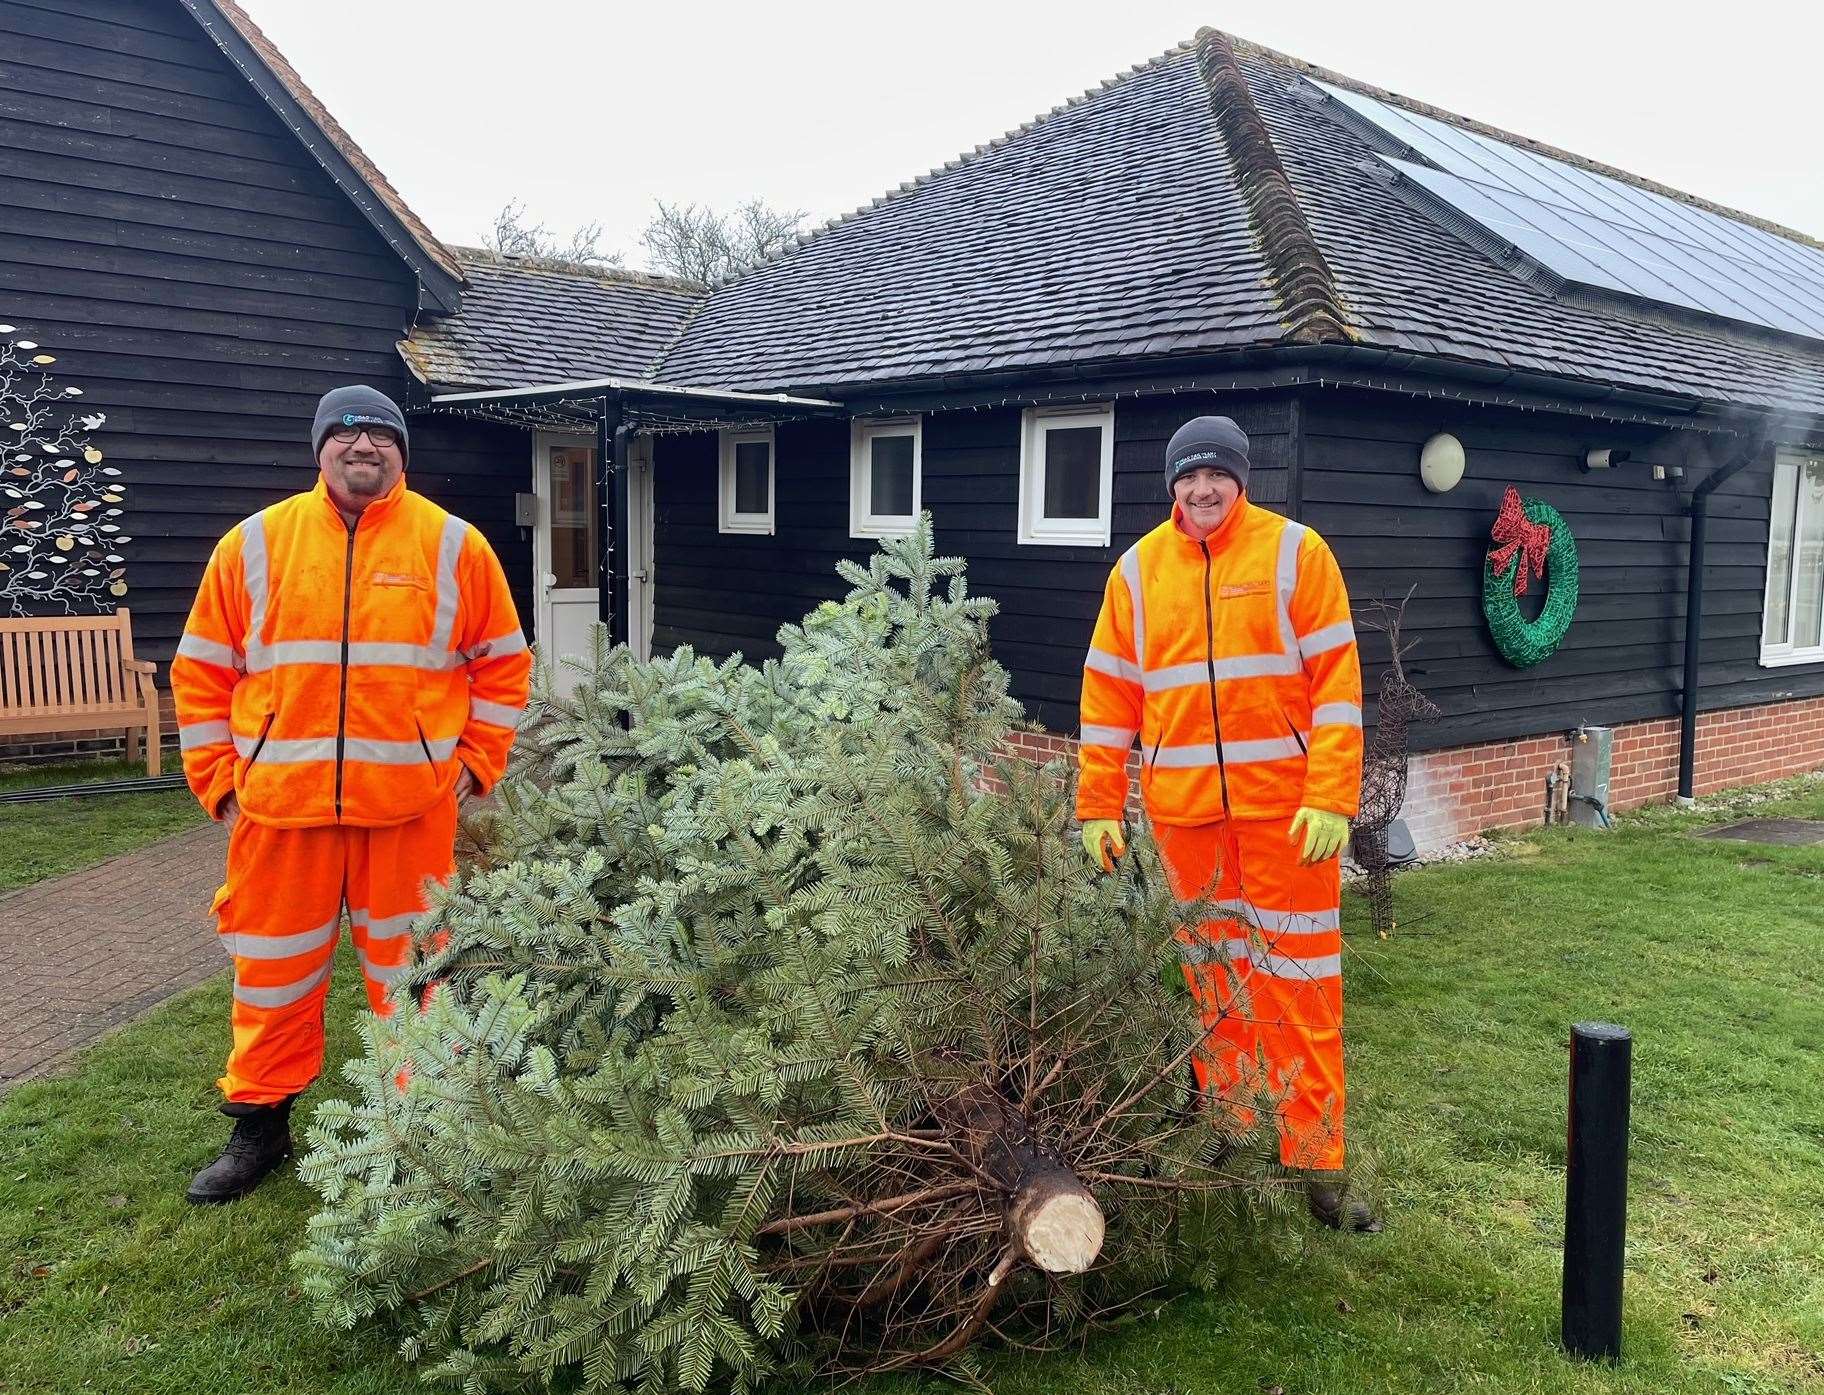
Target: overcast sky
590, 111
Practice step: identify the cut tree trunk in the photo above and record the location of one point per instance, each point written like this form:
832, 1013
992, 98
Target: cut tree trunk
1053, 1219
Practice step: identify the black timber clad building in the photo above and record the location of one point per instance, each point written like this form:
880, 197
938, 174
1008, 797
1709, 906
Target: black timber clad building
207, 253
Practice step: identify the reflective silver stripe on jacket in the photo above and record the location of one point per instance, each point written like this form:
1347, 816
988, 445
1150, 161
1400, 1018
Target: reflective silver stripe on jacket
1112, 664
1130, 573
282, 996
1202, 755
242, 945
359, 748
1118, 738
1268, 748
374, 752
255, 576
1290, 539
496, 714
1337, 714
449, 595
208, 651
512, 642
197, 734
288, 752
1330, 637
361, 653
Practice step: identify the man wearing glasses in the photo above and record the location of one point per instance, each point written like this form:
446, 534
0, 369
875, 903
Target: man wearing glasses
352, 668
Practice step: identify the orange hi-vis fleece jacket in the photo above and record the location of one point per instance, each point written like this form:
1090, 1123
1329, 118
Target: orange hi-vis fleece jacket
337, 675
1234, 661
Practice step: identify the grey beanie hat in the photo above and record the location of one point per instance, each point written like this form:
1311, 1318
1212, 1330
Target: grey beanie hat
1213, 441
358, 405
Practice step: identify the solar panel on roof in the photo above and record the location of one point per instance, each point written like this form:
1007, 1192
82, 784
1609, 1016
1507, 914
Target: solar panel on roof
1590, 230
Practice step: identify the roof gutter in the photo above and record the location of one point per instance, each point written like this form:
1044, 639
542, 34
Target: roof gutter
1316, 365
1694, 615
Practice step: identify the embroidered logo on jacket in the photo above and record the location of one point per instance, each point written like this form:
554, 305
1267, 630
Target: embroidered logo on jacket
417, 583
1231, 589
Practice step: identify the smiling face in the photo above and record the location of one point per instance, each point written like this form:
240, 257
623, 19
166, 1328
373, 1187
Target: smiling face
1205, 496
358, 472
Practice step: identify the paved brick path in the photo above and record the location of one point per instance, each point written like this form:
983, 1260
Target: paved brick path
83, 953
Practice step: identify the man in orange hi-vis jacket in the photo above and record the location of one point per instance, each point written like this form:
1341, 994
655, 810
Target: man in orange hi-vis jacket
1225, 645
352, 668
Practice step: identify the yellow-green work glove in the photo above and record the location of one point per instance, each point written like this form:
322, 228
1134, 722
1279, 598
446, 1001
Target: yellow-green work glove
1099, 835
1324, 832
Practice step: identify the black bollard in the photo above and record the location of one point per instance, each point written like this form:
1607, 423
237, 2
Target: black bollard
1596, 1190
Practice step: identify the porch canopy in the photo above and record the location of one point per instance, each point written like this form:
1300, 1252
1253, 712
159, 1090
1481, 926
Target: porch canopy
613, 410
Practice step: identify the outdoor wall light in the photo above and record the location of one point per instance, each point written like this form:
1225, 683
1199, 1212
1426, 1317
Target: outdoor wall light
1605, 459
1441, 462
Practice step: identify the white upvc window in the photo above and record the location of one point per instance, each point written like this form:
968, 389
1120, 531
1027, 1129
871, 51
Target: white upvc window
744, 497
886, 470
1792, 620
1067, 471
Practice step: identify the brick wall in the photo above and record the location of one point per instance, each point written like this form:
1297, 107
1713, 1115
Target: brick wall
1453, 794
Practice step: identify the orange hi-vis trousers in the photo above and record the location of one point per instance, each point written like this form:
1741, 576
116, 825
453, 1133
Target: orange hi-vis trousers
279, 916
1267, 976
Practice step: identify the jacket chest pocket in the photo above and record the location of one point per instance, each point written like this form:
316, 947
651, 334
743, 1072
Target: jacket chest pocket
1244, 619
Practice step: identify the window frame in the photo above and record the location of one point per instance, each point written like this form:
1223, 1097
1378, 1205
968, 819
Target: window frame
1786, 653
728, 519
863, 432
1035, 424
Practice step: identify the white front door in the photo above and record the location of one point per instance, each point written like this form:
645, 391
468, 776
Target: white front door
567, 549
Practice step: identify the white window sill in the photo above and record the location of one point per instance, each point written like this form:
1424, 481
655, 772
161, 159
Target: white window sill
1802, 656
748, 525
886, 529
1097, 539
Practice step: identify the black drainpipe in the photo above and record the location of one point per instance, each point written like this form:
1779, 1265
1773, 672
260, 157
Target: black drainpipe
1694, 616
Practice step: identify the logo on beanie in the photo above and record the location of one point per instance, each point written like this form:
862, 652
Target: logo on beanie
350, 418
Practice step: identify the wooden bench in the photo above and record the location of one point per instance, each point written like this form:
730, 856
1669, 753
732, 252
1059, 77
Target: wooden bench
76, 673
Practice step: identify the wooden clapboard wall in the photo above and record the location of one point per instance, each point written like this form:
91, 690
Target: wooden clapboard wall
197, 274
1623, 659
727, 593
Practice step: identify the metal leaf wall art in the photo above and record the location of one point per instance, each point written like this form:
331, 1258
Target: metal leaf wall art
61, 516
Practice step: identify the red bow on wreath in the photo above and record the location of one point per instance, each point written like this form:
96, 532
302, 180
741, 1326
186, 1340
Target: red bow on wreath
1516, 533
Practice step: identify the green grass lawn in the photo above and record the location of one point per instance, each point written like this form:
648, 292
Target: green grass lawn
1712, 952
49, 838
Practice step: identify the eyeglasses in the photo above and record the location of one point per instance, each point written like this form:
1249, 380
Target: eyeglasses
377, 435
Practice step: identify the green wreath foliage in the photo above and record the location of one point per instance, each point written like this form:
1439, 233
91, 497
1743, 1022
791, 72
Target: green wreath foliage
1524, 642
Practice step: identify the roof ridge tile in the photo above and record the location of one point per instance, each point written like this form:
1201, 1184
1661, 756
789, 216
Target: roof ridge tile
1296, 266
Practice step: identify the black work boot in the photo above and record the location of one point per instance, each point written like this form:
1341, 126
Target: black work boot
260, 1142
1332, 1202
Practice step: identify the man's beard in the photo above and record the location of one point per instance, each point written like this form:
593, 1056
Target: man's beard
364, 482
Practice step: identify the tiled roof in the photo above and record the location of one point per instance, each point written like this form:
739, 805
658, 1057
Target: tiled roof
1113, 227
523, 324
1193, 205
344, 144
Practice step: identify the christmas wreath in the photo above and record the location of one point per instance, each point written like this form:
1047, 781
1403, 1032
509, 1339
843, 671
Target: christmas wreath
1532, 540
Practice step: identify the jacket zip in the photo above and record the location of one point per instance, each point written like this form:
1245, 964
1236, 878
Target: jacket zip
348, 589
1209, 654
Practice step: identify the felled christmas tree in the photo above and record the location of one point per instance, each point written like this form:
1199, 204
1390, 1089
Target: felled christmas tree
780, 1024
